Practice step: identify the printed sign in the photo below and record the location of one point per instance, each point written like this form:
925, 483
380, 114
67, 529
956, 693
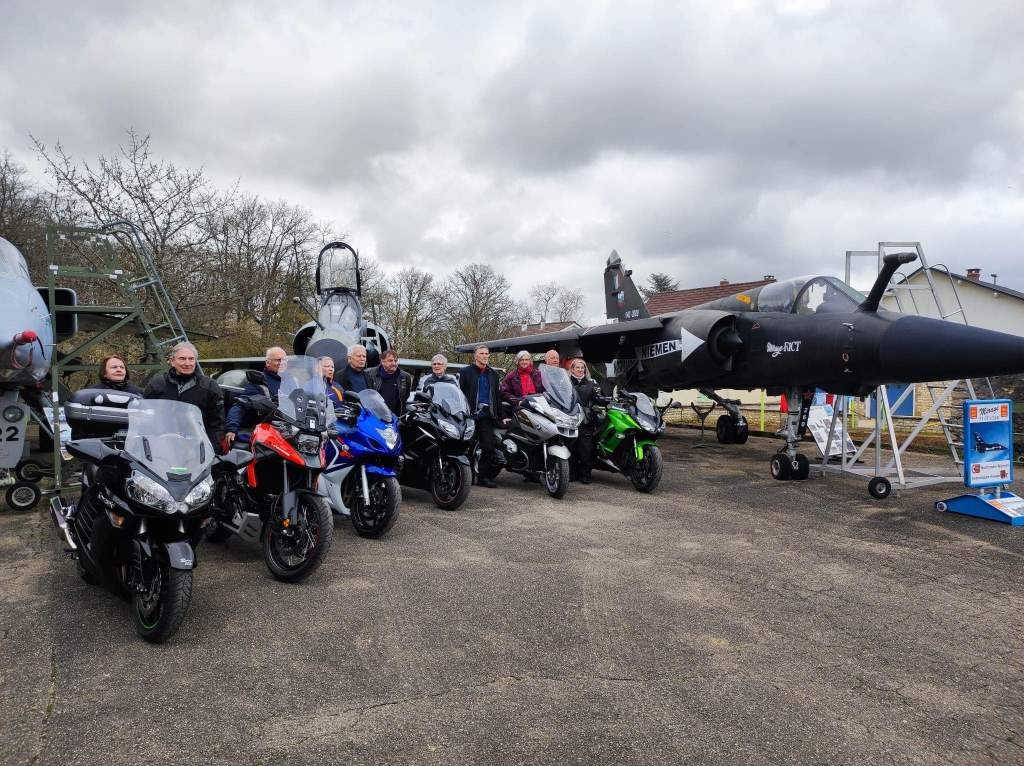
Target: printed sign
988, 442
819, 419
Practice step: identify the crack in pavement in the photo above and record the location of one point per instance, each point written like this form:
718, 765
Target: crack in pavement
51, 699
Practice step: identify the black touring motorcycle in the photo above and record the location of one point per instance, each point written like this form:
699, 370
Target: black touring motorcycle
437, 431
145, 499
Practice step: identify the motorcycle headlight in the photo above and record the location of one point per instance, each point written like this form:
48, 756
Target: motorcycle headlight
449, 429
144, 490
648, 426
308, 444
470, 428
200, 493
389, 435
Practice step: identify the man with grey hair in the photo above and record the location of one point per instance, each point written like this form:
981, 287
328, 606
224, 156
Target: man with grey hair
437, 374
353, 377
267, 382
184, 383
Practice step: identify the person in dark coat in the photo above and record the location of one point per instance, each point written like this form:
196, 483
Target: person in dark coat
114, 375
524, 379
273, 365
394, 385
353, 377
184, 383
480, 383
588, 394
437, 374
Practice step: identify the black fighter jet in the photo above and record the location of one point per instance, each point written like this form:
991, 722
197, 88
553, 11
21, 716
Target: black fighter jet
787, 337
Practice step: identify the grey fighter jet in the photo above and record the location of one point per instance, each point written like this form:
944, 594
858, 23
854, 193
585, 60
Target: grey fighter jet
26, 348
787, 337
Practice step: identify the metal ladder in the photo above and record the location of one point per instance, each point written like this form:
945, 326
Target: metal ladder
169, 329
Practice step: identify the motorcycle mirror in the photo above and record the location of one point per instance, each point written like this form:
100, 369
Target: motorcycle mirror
421, 396
258, 403
350, 396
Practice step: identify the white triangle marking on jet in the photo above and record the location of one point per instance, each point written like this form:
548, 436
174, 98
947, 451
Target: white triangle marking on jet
688, 343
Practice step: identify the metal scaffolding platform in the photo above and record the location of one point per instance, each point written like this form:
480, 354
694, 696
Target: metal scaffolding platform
888, 472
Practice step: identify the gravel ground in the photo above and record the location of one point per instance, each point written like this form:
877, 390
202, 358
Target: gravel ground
727, 618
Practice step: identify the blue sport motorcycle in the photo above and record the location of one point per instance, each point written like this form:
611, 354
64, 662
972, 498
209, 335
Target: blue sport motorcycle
360, 479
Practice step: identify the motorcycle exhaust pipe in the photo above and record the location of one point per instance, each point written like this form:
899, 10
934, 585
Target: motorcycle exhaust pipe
366, 485
61, 522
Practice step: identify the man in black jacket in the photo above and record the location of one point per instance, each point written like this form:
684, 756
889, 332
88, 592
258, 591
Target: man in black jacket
353, 376
479, 382
184, 383
390, 382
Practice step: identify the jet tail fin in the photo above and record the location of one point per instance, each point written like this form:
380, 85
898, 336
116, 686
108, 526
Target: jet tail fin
622, 300
890, 263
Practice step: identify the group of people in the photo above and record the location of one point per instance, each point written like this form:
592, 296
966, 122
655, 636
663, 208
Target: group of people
485, 390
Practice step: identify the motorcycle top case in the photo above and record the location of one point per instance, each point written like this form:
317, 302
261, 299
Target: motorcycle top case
96, 413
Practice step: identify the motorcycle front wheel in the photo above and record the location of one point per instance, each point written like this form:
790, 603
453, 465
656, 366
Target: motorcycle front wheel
450, 484
377, 518
294, 551
556, 477
646, 474
157, 613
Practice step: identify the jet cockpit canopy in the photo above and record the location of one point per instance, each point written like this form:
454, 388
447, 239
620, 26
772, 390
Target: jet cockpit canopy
800, 295
809, 295
337, 268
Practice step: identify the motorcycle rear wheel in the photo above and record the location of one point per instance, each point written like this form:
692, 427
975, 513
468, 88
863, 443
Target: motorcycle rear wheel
315, 533
157, 615
450, 486
376, 520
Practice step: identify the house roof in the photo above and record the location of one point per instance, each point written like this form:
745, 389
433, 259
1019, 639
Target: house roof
539, 327
976, 282
677, 300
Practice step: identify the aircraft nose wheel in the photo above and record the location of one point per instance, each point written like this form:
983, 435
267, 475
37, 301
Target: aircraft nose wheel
879, 488
23, 496
782, 468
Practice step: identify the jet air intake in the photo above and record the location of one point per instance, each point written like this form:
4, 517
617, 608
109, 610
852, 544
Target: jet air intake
708, 343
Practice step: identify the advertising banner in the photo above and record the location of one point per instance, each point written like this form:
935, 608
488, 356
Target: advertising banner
988, 442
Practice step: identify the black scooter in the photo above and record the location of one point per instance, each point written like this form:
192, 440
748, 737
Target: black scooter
146, 492
437, 431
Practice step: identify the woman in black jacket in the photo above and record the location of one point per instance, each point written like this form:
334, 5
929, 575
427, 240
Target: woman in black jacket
588, 394
114, 375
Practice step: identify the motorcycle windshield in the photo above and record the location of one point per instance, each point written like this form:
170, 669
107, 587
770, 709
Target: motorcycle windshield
557, 387
303, 393
645, 406
450, 399
168, 438
374, 404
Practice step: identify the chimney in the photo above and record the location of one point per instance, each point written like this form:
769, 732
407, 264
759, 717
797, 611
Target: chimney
768, 277
723, 282
974, 275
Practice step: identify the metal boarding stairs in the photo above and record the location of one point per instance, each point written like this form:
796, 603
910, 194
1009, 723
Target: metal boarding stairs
887, 474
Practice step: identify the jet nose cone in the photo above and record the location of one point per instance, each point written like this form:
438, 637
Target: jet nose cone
918, 349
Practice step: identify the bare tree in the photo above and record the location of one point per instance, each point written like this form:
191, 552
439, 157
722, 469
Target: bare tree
480, 305
551, 303
569, 305
22, 212
412, 312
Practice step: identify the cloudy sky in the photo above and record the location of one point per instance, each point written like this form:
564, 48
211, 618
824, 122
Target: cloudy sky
727, 138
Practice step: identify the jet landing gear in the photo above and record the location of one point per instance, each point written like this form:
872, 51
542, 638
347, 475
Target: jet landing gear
787, 463
731, 428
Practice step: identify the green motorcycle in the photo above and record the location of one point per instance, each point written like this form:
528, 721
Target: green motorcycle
624, 439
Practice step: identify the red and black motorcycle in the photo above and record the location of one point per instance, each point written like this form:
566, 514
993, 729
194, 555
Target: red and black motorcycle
274, 500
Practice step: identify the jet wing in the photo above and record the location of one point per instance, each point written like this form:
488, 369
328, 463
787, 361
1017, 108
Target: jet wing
600, 343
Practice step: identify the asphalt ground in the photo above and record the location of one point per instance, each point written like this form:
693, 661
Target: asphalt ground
727, 618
